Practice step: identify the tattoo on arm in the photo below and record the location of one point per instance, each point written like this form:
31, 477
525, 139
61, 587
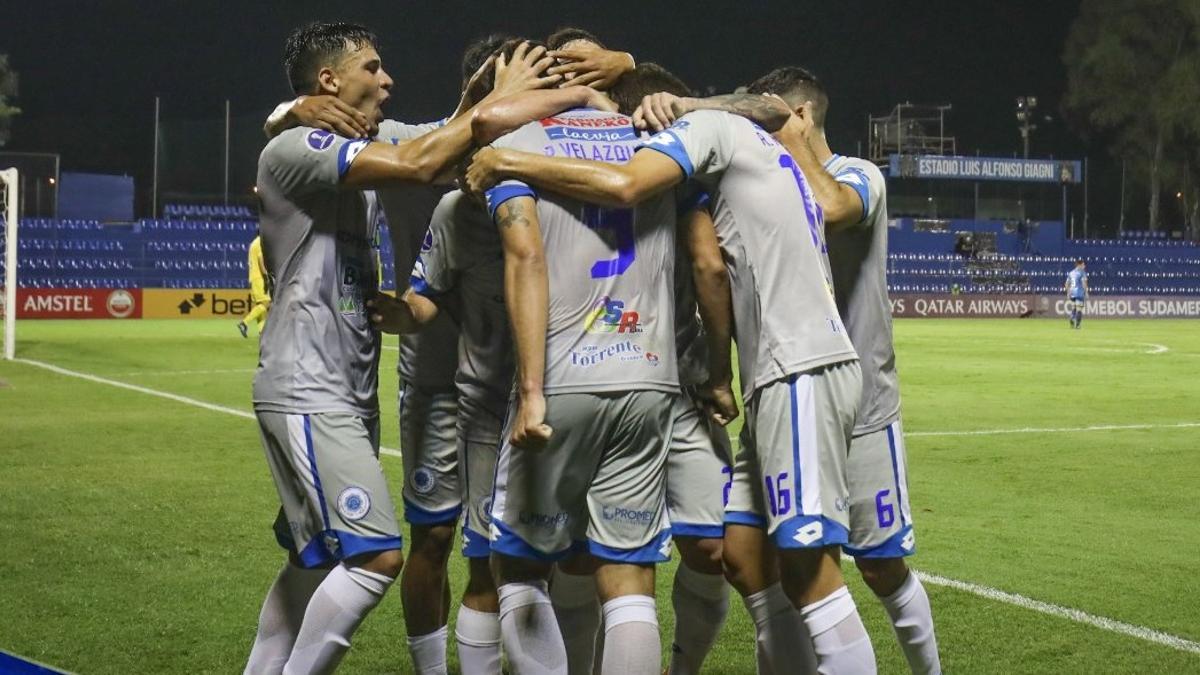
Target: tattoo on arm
513, 213
767, 113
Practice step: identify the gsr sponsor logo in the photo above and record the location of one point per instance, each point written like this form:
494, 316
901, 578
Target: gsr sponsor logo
591, 355
611, 316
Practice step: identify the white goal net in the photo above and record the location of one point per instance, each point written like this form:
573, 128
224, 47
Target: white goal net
8, 230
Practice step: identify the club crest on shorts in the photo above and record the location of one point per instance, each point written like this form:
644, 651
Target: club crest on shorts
424, 480
353, 503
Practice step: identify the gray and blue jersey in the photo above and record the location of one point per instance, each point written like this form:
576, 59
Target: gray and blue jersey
461, 268
318, 353
858, 263
427, 359
770, 230
611, 318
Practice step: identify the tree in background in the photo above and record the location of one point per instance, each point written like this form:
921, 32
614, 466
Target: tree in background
1133, 71
8, 89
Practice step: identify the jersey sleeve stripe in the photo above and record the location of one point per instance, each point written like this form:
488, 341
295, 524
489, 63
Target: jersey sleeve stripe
669, 144
856, 179
502, 193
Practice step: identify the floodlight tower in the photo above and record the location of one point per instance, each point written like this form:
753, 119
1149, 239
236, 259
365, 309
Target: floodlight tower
1025, 107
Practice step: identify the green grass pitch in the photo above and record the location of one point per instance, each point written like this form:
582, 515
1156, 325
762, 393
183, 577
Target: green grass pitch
136, 533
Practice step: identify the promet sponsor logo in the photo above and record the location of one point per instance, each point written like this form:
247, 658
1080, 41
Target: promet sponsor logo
622, 514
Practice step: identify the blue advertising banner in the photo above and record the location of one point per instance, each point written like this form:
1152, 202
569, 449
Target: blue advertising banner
986, 168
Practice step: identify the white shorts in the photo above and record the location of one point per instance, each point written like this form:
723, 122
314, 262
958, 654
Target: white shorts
881, 523
790, 474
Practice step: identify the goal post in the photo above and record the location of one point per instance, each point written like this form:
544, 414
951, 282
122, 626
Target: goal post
9, 195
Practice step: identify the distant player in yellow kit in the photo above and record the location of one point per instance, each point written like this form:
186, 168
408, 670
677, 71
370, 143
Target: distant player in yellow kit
259, 292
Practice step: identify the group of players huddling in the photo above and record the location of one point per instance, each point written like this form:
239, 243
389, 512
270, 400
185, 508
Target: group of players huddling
566, 366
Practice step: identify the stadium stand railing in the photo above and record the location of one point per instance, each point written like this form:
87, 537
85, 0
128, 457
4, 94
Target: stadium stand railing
151, 253
207, 211
212, 253
1115, 267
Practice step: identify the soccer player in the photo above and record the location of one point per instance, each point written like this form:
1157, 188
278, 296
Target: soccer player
259, 293
427, 361
315, 392
698, 462
584, 453
800, 375
1076, 288
853, 195
461, 269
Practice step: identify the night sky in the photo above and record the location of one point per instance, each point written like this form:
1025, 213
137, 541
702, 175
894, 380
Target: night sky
90, 70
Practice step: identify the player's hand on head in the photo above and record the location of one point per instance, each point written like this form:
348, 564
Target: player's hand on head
331, 114
526, 70
799, 126
591, 65
530, 430
659, 111
478, 82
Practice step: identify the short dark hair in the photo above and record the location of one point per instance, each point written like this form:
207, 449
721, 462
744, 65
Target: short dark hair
795, 85
1079, 262
567, 34
647, 78
319, 44
479, 50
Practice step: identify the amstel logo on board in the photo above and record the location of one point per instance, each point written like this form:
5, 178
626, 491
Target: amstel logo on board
79, 303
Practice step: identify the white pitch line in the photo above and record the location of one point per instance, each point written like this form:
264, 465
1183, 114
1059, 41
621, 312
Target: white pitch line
1155, 348
1079, 616
161, 394
1053, 430
215, 371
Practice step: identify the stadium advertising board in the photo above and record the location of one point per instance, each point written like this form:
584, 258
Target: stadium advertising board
78, 303
985, 168
195, 303
943, 306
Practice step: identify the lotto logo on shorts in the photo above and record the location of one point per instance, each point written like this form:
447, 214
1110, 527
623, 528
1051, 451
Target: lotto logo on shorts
610, 316
353, 503
809, 533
